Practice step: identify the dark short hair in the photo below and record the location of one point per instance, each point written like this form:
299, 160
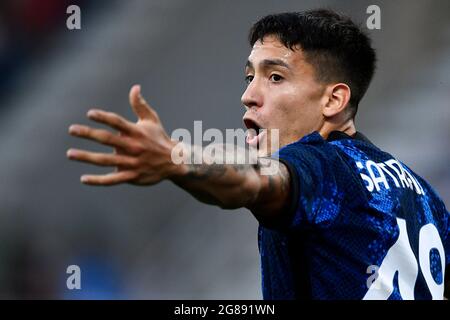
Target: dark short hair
333, 44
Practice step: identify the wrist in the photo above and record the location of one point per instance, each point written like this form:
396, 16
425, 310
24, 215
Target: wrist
177, 164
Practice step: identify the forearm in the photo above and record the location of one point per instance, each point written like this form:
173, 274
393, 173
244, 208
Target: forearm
227, 186
261, 185
217, 179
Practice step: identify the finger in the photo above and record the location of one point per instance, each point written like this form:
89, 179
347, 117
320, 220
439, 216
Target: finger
109, 179
118, 149
101, 159
140, 107
111, 119
100, 135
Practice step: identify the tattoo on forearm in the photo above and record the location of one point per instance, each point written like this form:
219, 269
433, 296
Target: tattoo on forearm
279, 179
212, 178
203, 171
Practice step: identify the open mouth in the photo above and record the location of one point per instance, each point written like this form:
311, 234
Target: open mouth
253, 133
250, 124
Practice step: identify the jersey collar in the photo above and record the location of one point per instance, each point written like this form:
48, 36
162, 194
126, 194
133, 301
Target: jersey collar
339, 135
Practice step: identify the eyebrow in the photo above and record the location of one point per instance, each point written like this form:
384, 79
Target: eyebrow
268, 62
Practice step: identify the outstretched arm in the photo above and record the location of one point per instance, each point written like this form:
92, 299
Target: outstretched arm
143, 155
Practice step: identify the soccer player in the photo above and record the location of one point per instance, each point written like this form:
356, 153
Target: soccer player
340, 218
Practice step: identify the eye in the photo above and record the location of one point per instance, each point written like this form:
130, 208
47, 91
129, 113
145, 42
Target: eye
276, 77
248, 79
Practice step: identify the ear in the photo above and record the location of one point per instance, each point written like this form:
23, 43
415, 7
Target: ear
337, 97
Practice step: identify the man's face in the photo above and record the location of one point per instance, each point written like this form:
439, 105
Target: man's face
282, 94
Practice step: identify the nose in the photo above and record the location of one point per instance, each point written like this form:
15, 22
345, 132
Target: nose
252, 96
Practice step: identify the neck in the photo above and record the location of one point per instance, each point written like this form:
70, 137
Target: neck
348, 128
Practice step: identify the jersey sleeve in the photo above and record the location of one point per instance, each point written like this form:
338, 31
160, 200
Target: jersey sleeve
312, 185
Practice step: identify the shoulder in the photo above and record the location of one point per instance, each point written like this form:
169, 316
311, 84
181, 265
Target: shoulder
314, 156
309, 150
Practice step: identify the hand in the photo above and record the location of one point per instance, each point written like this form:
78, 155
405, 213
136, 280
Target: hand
142, 150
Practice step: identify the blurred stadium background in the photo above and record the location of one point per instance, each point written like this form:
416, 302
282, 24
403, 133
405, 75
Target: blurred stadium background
158, 242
